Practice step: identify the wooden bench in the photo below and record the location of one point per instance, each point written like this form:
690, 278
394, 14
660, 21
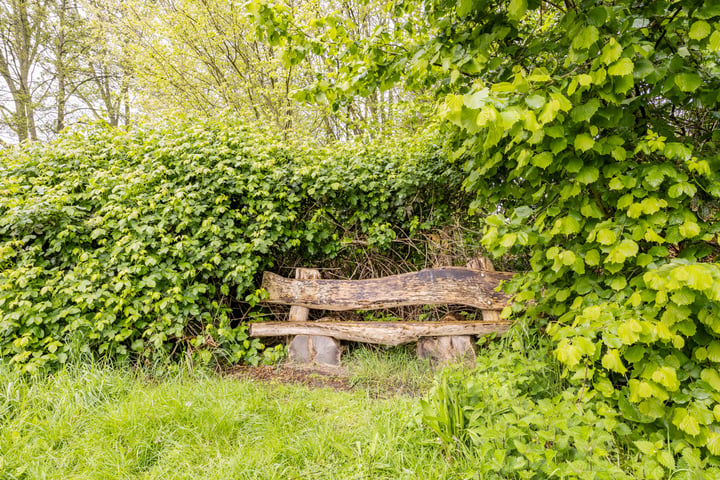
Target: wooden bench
442, 341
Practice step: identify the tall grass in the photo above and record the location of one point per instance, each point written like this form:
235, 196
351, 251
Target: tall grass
390, 370
90, 422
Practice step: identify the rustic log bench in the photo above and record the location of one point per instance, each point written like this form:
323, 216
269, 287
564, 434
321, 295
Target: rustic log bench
441, 341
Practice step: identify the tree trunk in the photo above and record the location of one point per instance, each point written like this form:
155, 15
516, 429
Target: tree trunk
61, 68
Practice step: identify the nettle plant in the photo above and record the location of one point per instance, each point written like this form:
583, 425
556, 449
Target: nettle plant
149, 243
589, 131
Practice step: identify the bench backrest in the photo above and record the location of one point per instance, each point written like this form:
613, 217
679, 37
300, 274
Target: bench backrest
437, 286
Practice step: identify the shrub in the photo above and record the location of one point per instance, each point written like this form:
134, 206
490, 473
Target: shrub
149, 242
514, 417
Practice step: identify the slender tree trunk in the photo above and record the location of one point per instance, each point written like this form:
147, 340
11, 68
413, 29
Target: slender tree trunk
60, 68
20, 119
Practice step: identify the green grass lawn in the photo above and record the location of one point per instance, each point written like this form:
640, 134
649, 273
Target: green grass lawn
103, 423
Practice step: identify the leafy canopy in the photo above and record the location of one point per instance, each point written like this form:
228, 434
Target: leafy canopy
589, 134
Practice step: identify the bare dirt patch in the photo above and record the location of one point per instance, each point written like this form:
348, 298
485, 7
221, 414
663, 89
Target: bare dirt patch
314, 376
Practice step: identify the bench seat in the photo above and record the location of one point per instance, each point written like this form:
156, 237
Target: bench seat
383, 333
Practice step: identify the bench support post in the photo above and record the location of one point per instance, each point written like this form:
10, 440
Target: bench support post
300, 314
314, 349
483, 264
311, 348
449, 349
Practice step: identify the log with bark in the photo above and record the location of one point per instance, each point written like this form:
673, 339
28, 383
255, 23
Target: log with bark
438, 286
384, 333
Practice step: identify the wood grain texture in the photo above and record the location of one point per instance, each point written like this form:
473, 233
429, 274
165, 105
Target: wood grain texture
484, 264
438, 286
384, 333
300, 314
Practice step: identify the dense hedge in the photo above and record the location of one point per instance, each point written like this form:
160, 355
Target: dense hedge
148, 242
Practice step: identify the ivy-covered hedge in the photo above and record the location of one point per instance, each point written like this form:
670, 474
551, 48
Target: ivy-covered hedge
149, 242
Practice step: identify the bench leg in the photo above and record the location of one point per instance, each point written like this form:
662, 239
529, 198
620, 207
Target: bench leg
443, 351
314, 348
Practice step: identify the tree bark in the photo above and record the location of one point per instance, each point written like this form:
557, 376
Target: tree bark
440, 286
485, 265
383, 333
300, 314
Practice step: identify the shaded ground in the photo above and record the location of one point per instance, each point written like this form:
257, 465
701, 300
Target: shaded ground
336, 378
314, 376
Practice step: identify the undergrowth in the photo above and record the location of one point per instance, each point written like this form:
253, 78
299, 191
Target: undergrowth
516, 416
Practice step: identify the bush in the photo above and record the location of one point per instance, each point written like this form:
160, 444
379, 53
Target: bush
514, 417
148, 243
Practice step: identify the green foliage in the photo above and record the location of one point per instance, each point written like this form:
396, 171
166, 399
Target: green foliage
89, 422
515, 418
589, 131
148, 243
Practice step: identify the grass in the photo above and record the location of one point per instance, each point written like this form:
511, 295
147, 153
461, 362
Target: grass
389, 370
90, 422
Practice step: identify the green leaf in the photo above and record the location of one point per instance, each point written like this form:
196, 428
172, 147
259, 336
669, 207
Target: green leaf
585, 38
517, 9
535, 101
584, 112
689, 229
476, 99
682, 188
464, 7
654, 176
686, 422
714, 43
568, 353
611, 52
587, 175
590, 209
708, 11
713, 443
542, 160
713, 351
622, 67
667, 377
648, 448
652, 205
508, 240
606, 237
612, 361
700, 30
597, 16
592, 257
628, 332
688, 82
624, 250
710, 375
618, 283
619, 154
567, 257
631, 412
666, 459
566, 226
584, 142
